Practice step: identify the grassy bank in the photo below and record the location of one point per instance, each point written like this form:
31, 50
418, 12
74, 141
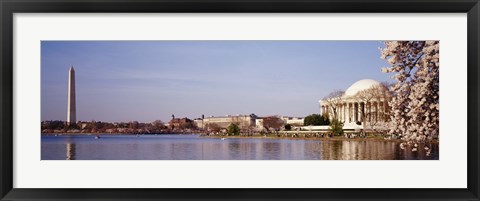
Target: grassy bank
335, 138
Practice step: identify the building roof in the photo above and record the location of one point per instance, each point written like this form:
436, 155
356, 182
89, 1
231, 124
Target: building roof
360, 86
230, 116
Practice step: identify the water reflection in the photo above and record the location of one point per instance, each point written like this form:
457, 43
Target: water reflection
70, 151
193, 147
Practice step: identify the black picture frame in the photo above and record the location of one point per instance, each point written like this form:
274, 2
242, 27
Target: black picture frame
10, 7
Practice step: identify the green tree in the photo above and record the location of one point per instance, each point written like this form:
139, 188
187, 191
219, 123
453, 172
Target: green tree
316, 120
336, 127
233, 129
288, 127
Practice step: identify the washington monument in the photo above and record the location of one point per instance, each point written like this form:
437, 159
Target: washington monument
72, 109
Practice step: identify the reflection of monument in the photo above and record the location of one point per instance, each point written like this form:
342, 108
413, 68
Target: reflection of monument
70, 151
72, 109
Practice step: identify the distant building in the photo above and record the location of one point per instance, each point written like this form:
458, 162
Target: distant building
294, 121
259, 123
243, 121
180, 123
198, 122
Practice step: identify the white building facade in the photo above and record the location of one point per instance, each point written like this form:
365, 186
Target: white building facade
294, 121
350, 107
243, 121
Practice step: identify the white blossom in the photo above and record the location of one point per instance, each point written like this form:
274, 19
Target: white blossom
415, 106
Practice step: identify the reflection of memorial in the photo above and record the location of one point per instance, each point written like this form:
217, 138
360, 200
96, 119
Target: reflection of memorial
331, 150
70, 151
357, 150
365, 150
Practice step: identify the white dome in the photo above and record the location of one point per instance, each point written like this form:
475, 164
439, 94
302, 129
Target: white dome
360, 86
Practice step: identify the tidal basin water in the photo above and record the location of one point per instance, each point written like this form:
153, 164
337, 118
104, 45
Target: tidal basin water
194, 147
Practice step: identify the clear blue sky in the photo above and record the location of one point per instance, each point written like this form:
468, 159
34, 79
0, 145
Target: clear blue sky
150, 80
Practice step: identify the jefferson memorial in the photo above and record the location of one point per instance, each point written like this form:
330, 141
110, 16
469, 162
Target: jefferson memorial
350, 106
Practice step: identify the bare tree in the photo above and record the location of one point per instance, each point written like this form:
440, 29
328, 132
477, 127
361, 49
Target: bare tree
377, 93
334, 101
158, 124
213, 127
273, 122
133, 125
365, 97
384, 94
387, 85
187, 125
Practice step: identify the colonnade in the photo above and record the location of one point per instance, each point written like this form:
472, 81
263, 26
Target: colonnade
352, 111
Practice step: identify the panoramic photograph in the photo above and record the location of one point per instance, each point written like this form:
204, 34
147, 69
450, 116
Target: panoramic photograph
240, 100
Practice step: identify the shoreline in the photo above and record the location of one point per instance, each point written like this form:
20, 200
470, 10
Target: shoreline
116, 134
335, 138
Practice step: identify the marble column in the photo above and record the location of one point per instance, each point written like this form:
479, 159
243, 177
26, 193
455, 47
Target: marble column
363, 111
355, 113
350, 113
339, 112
